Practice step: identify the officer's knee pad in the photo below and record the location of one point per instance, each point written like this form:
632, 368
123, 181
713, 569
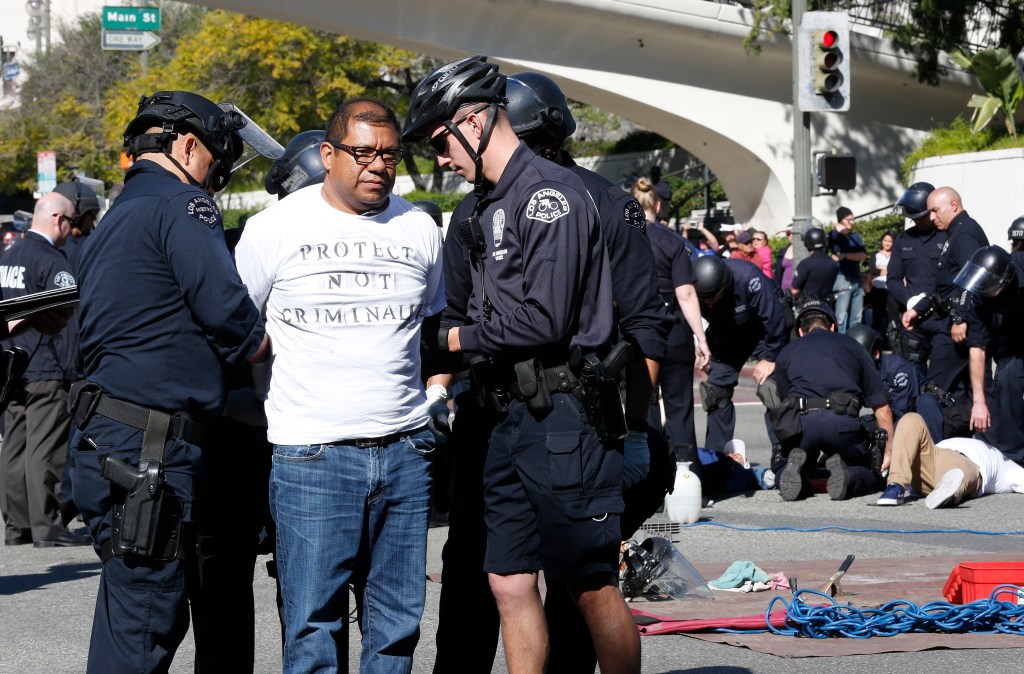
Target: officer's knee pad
714, 398
915, 348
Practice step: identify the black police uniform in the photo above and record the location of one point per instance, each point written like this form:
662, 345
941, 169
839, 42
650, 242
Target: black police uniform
948, 367
912, 268
504, 215
36, 421
996, 324
745, 323
815, 276
818, 366
672, 264
161, 309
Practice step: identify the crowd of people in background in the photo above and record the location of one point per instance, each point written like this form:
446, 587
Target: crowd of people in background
334, 339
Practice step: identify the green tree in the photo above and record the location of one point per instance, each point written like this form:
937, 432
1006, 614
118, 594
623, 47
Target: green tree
63, 100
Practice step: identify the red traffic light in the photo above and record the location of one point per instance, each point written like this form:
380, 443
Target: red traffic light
829, 38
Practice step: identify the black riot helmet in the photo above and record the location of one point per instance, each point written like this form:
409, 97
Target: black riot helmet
177, 112
714, 278
866, 336
82, 196
1016, 232
539, 113
300, 166
814, 239
987, 273
437, 98
915, 200
815, 307
432, 209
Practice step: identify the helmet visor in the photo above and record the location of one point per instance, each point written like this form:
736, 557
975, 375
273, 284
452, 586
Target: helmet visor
255, 141
981, 281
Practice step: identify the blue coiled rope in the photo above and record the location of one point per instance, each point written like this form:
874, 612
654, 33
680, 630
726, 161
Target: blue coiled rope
985, 616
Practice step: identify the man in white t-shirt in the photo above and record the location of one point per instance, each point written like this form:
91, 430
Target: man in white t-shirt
949, 473
345, 273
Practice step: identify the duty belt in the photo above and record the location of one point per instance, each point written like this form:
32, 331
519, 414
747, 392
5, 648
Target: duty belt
808, 404
89, 399
495, 390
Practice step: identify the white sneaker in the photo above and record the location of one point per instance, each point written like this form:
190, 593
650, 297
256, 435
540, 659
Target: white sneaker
945, 490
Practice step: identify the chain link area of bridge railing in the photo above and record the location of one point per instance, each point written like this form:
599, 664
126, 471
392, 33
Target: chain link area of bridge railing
886, 16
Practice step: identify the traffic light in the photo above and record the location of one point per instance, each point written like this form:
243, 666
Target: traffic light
824, 62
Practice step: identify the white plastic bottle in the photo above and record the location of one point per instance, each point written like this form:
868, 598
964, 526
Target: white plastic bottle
683, 504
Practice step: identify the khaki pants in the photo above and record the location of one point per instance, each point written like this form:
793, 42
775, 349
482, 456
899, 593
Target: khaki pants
917, 462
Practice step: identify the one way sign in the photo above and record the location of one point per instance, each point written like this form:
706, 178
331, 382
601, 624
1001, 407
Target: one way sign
130, 40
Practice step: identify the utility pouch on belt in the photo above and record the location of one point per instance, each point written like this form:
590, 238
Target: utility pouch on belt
845, 403
785, 418
531, 386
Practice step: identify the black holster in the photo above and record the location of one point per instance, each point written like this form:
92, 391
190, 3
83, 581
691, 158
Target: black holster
146, 516
876, 438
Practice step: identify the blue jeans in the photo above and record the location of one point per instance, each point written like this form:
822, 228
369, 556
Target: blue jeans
849, 303
352, 515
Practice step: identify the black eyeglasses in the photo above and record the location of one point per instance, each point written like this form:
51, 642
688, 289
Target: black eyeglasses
439, 143
61, 218
365, 156
760, 238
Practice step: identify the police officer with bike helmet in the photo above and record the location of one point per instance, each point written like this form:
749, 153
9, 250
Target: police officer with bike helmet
534, 320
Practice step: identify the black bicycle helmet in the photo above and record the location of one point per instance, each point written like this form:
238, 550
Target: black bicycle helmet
538, 112
300, 166
441, 93
178, 112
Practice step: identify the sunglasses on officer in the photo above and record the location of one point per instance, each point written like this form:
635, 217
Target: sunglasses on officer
439, 143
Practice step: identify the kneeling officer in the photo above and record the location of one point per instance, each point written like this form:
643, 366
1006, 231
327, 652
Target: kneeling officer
823, 380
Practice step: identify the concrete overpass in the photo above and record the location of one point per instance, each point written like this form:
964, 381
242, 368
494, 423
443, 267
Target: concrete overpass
676, 67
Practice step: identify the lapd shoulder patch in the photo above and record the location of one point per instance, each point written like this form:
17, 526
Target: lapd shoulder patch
634, 215
64, 279
754, 285
547, 205
900, 381
203, 209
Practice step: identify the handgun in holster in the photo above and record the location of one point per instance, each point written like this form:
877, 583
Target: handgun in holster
601, 391
488, 395
147, 522
876, 438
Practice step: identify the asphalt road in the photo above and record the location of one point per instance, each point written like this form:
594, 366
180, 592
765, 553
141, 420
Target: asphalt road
47, 595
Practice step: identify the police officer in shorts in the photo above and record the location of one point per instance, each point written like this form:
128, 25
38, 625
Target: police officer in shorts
824, 378
539, 312
162, 310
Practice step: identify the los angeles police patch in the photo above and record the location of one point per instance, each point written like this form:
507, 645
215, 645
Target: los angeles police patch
634, 215
64, 279
547, 205
753, 285
498, 226
203, 209
900, 381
